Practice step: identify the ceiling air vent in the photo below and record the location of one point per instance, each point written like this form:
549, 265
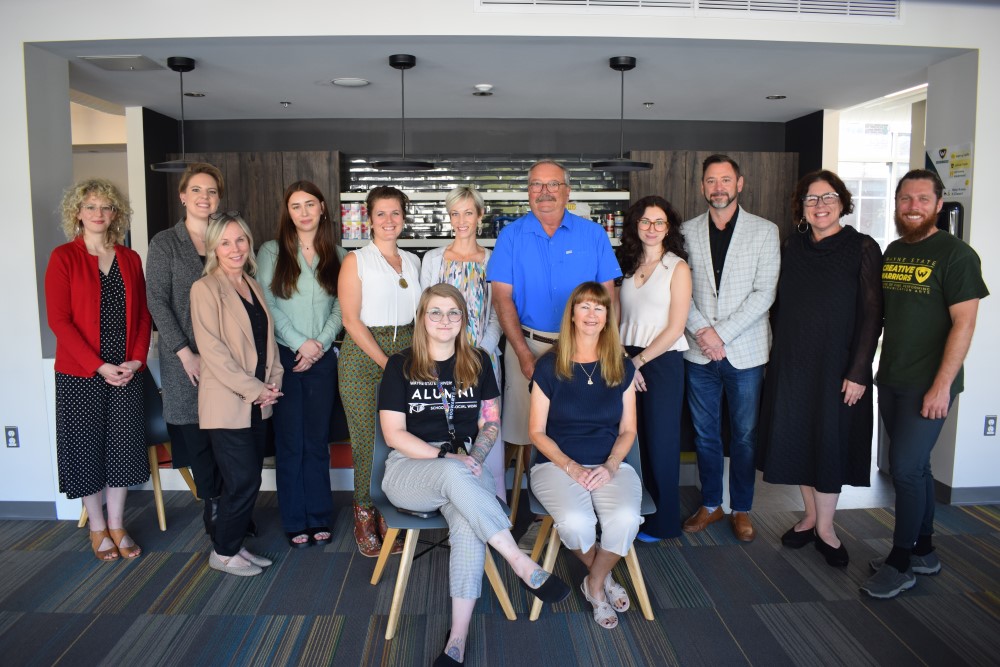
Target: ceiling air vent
859, 8
123, 63
805, 9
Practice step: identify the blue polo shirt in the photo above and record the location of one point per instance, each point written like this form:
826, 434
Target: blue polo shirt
544, 270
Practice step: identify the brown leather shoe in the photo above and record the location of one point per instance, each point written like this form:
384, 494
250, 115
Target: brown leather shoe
742, 528
366, 532
700, 520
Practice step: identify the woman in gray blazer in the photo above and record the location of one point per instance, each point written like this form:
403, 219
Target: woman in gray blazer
175, 261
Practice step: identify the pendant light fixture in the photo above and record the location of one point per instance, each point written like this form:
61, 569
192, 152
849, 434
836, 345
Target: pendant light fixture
179, 64
403, 62
621, 164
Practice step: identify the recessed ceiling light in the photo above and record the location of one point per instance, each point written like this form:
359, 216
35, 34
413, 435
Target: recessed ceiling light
194, 94
648, 105
350, 82
483, 89
776, 97
285, 103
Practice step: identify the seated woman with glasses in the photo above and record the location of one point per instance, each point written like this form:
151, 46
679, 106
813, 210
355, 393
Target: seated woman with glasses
240, 381
655, 296
582, 422
439, 408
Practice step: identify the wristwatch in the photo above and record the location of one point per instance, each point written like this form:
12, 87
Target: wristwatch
642, 358
442, 452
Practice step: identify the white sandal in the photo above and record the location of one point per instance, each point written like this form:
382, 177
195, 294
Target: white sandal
604, 613
616, 593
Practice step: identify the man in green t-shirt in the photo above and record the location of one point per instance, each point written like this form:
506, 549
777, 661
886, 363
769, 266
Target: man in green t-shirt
932, 283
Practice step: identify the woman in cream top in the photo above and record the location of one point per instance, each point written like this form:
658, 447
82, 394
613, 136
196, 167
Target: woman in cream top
655, 295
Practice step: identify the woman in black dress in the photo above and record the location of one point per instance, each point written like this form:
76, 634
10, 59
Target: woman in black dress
816, 420
96, 305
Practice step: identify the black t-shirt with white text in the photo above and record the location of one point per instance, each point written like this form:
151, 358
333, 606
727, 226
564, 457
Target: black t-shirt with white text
420, 400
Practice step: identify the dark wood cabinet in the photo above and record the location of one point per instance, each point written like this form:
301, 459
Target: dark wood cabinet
256, 182
768, 182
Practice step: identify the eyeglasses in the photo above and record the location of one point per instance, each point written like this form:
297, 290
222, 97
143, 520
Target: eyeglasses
436, 314
94, 208
551, 186
658, 225
828, 198
224, 216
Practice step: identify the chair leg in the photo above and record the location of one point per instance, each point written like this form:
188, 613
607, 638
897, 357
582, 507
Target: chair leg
543, 532
639, 583
383, 556
493, 574
154, 472
548, 566
402, 578
515, 491
185, 473
83, 517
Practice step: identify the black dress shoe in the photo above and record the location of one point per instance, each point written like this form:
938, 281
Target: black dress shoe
835, 557
796, 539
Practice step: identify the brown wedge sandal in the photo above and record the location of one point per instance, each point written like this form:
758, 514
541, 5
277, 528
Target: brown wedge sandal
118, 536
98, 536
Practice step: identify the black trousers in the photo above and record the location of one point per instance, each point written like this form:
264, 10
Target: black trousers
239, 453
191, 447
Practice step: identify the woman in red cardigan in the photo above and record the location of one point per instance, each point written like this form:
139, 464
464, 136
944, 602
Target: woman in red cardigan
96, 303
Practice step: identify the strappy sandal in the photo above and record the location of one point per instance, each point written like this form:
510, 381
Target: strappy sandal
320, 536
604, 613
118, 536
96, 538
617, 595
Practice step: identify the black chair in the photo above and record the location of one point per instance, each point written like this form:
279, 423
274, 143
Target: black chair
397, 521
548, 530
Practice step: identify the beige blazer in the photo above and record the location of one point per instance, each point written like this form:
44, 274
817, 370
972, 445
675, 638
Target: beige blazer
228, 388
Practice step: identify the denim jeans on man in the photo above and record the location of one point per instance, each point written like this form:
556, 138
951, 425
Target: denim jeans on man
705, 386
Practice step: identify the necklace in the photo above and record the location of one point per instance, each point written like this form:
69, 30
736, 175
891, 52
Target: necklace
654, 262
590, 375
402, 280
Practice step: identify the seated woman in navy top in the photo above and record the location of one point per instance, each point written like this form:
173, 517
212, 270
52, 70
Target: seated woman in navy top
583, 423
440, 412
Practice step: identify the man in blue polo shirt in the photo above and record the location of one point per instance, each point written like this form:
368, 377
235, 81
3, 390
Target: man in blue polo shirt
538, 260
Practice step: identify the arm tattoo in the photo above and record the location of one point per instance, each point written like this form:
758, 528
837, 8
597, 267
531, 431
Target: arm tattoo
489, 414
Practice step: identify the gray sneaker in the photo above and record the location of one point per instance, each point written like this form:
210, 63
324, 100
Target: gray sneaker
888, 582
929, 564
527, 541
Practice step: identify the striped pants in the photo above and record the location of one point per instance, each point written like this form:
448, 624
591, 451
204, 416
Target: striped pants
468, 503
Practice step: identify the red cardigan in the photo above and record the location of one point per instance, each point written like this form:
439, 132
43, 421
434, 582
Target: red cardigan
73, 305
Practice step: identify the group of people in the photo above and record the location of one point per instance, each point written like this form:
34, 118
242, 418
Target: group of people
601, 351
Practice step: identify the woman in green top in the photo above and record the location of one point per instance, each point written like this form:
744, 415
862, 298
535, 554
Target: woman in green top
299, 272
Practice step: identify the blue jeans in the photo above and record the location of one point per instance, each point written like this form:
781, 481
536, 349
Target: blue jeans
911, 439
705, 384
302, 443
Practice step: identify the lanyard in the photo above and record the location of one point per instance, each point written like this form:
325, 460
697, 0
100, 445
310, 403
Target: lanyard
449, 412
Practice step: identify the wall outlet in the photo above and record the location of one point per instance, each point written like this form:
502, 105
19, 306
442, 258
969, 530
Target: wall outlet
989, 428
13, 440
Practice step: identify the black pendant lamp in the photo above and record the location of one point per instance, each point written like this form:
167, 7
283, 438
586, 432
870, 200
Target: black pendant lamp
180, 65
402, 62
621, 164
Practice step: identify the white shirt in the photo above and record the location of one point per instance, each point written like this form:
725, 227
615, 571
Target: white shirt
383, 302
645, 309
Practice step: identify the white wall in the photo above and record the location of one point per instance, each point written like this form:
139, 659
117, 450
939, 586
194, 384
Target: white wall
945, 24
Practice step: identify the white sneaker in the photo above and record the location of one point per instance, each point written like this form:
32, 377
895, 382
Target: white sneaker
527, 541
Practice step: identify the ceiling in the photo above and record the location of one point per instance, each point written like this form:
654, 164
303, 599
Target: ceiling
533, 77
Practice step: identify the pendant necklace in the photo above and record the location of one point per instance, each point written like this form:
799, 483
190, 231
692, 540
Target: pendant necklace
642, 271
402, 280
590, 375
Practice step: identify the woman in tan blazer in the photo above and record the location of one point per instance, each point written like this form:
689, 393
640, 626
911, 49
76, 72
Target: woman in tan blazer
240, 381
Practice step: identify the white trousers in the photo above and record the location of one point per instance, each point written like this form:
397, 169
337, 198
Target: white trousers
516, 397
576, 511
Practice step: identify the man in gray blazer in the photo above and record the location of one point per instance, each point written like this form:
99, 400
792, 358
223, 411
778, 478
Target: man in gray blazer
734, 258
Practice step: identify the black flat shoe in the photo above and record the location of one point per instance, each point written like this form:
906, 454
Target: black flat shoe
553, 590
796, 539
834, 557
299, 545
445, 660
322, 529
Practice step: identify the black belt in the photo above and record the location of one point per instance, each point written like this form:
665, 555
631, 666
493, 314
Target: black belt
534, 336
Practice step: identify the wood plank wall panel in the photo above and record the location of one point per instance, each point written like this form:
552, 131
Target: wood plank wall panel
769, 180
255, 183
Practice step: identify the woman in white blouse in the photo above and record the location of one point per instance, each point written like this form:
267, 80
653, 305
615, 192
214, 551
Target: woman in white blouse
462, 264
655, 295
378, 288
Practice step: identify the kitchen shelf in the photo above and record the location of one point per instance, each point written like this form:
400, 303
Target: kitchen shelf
494, 195
426, 244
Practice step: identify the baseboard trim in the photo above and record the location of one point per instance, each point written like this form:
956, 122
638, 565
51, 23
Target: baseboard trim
22, 509
971, 495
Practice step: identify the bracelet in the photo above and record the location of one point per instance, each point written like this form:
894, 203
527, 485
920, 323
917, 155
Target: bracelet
442, 452
568, 463
642, 358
